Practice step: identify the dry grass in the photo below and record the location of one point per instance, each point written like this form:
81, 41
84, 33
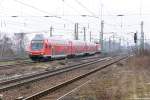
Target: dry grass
127, 80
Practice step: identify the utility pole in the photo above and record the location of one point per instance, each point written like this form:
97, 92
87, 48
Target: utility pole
121, 22
101, 35
3, 45
119, 44
109, 45
113, 43
76, 31
84, 34
20, 45
51, 29
90, 36
63, 8
142, 37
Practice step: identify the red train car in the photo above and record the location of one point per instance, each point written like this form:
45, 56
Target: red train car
48, 48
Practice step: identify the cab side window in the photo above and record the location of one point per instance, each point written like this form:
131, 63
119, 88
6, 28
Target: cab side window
46, 46
49, 46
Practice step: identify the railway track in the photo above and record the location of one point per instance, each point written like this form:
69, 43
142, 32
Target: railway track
12, 59
11, 66
8, 84
12, 71
43, 93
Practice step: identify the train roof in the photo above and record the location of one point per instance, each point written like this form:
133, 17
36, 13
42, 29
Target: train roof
39, 37
61, 40
42, 37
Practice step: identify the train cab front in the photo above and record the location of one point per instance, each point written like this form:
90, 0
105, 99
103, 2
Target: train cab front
36, 51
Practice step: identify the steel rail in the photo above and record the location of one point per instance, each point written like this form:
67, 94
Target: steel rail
12, 59
10, 66
59, 86
5, 85
23, 77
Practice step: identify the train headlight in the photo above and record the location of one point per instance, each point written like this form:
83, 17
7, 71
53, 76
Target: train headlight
42, 53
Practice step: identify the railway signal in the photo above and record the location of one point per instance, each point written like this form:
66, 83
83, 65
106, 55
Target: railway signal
135, 37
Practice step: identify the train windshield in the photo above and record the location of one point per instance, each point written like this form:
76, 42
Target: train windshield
36, 45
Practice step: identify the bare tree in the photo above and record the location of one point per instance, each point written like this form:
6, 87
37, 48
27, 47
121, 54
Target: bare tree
20, 41
6, 47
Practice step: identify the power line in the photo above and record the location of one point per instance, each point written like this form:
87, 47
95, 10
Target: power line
25, 24
32, 7
72, 7
43, 11
85, 7
15, 26
1, 2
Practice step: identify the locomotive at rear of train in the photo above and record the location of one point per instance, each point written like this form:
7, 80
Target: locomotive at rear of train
49, 48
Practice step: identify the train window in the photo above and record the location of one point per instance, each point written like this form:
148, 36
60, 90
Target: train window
46, 46
36, 45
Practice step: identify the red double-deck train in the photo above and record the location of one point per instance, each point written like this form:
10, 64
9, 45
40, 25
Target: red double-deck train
49, 48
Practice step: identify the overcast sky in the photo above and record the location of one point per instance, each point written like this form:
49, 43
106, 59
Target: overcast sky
30, 16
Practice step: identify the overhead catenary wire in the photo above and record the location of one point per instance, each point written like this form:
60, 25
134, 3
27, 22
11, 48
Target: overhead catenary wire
34, 23
29, 26
1, 2
85, 8
35, 8
33, 26
43, 11
36, 18
34, 29
71, 7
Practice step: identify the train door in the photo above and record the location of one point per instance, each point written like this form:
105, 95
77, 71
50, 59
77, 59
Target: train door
70, 48
52, 50
47, 49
